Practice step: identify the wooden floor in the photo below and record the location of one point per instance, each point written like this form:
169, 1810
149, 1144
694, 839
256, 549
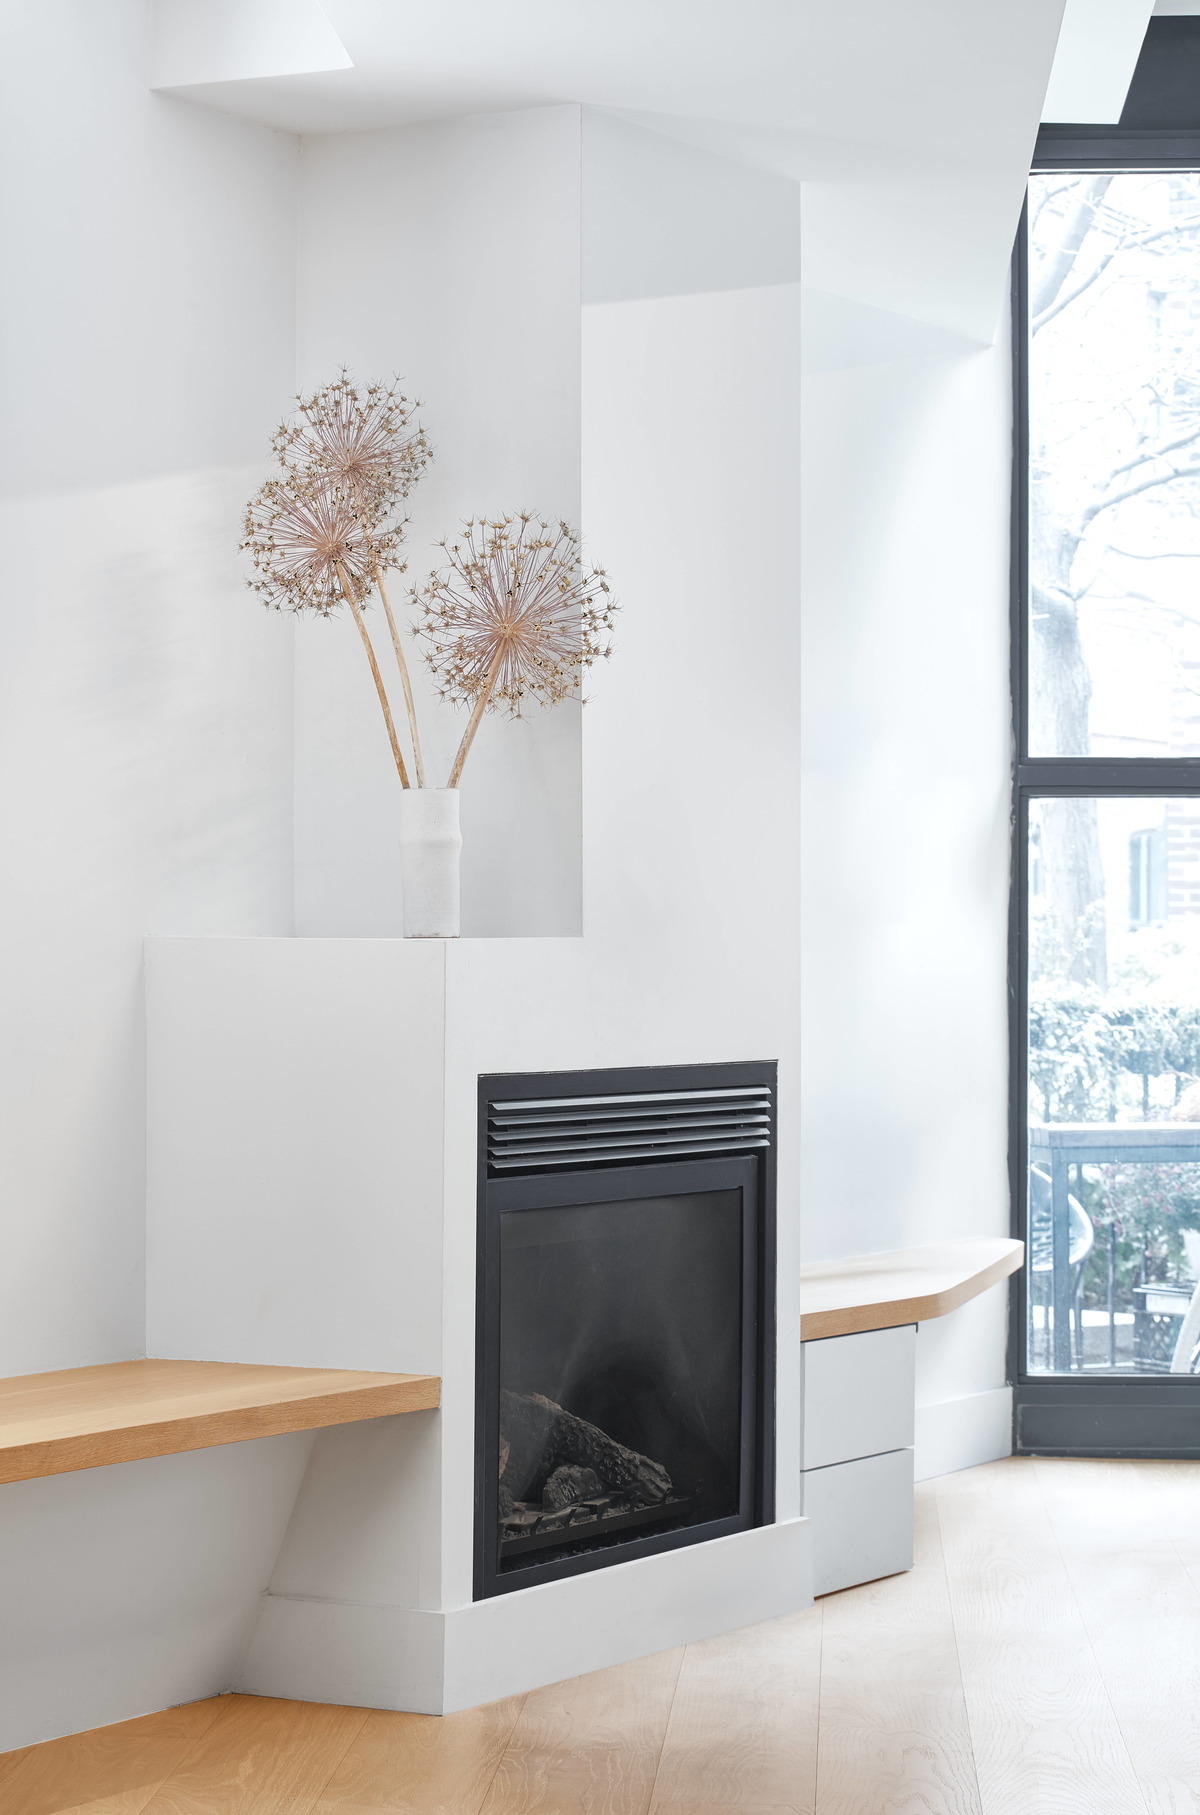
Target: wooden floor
1043, 1658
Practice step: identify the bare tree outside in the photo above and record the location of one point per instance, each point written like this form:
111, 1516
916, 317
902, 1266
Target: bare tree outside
1114, 671
1114, 471
1115, 411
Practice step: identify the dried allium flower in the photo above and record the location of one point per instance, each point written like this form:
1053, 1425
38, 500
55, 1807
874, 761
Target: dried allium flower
310, 547
311, 552
324, 532
363, 448
514, 615
364, 440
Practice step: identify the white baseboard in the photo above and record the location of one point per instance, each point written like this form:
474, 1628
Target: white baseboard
437, 1663
961, 1433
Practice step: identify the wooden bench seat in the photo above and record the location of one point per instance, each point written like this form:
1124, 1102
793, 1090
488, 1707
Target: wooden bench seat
75, 1418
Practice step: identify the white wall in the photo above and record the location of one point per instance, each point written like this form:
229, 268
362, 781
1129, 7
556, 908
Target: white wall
145, 782
448, 254
663, 218
906, 719
134, 1587
145, 700
906, 792
311, 1151
906, 716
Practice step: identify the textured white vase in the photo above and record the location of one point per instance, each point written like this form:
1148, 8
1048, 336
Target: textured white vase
430, 846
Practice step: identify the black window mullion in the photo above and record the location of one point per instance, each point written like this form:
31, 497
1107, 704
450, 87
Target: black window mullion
1096, 148
1018, 1143
1019, 526
1096, 775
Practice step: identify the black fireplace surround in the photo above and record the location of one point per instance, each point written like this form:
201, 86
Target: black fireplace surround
625, 1353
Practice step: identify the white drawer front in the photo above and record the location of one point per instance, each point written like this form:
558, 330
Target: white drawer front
859, 1393
862, 1520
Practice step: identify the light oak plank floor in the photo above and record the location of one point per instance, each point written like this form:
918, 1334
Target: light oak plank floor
1042, 1658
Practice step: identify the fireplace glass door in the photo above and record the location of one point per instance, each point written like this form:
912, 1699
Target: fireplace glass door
620, 1412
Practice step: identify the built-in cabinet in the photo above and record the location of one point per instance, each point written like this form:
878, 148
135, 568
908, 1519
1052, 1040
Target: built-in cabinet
859, 1397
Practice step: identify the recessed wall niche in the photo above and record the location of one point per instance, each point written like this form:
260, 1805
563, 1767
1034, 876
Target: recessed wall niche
495, 360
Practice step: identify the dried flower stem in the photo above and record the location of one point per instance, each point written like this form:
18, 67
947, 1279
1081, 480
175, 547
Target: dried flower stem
485, 695
405, 682
378, 678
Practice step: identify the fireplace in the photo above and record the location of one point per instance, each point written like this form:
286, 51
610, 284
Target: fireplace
625, 1352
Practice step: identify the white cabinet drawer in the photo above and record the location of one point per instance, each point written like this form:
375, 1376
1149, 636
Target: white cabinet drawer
862, 1519
859, 1394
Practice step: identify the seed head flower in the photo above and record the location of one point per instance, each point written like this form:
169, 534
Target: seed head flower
323, 531
514, 615
309, 545
363, 441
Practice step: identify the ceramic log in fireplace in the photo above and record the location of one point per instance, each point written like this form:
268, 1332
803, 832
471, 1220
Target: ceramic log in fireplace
626, 1316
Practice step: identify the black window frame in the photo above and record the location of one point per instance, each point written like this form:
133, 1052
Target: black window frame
1064, 1414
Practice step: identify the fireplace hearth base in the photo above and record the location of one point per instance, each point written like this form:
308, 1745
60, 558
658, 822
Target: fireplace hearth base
437, 1663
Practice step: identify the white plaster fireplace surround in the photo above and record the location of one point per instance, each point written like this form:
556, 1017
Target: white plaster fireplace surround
312, 1100
333, 1219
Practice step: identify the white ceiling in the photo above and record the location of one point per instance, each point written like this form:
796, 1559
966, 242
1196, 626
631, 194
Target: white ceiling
785, 80
913, 120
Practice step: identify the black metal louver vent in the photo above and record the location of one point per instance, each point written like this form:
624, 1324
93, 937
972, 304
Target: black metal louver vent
529, 1134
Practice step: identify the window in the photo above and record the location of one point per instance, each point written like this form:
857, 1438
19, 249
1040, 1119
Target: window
1148, 877
1106, 929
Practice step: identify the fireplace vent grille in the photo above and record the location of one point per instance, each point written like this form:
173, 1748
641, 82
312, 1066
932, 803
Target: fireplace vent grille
530, 1134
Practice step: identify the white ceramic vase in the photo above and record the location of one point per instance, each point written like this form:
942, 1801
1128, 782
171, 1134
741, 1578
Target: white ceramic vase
430, 846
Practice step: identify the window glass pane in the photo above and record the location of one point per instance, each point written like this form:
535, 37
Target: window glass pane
1114, 1084
1114, 464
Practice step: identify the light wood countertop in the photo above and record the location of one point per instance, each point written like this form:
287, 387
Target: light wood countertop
906, 1285
52, 1424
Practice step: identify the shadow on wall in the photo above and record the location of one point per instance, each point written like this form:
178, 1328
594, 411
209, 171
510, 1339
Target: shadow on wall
192, 1537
